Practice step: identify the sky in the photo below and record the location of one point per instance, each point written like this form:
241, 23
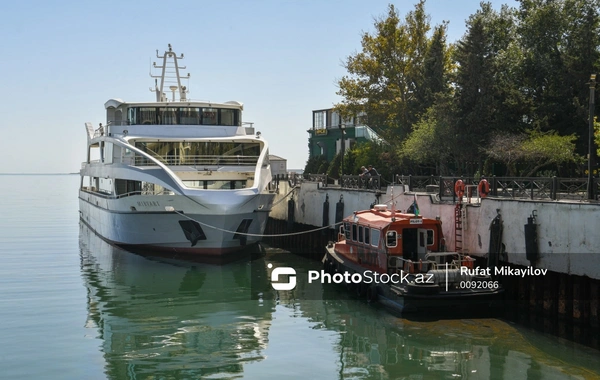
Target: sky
62, 60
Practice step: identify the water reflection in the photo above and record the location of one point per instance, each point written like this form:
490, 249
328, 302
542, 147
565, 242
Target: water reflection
163, 318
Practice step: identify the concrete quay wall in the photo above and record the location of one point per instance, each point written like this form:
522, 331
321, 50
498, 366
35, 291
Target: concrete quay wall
568, 232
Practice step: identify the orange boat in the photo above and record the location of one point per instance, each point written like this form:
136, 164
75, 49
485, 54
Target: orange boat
400, 260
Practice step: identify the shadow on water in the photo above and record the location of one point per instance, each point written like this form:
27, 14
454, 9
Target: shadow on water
165, 318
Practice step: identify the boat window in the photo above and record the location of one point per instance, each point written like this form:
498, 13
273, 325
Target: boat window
422, 238
375, 237
132, 116
202, 152
354, 232
367, 230
210, 116
360, 234
347, 230
430, 239
391, 239
183, 116
189, 116
167, 116
227, 117
216, 185
146, 115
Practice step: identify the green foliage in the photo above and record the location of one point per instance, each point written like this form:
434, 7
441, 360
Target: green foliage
386, 75
315, 165
334, 169
533, 150
428, 142
380, 155
516, 80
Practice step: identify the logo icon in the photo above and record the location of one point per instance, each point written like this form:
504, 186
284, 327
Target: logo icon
291, 272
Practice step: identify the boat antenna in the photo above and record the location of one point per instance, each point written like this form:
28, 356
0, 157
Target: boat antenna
169, 76
393, 206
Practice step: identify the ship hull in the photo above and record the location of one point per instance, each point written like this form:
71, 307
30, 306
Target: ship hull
147, 224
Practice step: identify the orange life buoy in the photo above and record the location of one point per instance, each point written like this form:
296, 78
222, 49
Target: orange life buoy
483, 188
459, 188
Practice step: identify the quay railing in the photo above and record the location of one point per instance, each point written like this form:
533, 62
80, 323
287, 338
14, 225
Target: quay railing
539, 188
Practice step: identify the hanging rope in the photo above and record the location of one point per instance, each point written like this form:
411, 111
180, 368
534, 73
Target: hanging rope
283, 198
258, 235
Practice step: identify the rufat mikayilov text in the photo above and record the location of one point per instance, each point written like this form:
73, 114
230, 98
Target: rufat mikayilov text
503, 271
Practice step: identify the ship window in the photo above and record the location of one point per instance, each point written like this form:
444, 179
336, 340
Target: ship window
354, 232
360, 234
125, 187
167, 116
422, 238
347, 230
146, 115
209, 116
375, 237
430, 237
132, 116
190, 116
367, 230
227, 117
391, 239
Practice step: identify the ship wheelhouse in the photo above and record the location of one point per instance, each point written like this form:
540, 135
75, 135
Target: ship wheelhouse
380, 231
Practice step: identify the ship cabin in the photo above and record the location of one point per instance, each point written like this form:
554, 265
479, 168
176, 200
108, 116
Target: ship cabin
384, 240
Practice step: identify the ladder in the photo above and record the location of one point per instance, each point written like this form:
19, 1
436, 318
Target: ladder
458, 228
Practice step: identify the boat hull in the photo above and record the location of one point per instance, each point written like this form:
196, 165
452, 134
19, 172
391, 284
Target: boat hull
419, 299
146, 224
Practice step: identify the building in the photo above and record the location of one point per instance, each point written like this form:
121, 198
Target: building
278, 165
330, 135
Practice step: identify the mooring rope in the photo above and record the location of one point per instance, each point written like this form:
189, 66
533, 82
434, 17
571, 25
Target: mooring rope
257, 235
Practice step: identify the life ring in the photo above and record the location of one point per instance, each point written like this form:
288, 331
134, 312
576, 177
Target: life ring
483, 188
459, 188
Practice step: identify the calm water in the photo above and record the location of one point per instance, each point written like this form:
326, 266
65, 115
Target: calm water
74, 307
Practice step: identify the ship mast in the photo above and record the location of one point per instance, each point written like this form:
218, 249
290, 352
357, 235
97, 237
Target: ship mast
169, 76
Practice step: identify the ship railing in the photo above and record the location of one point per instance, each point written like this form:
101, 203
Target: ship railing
410, 266
145, 192
199, 160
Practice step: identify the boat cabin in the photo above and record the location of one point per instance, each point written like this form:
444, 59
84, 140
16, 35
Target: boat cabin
372, 237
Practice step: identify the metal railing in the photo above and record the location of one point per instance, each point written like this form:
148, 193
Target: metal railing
200, 160
540, 188
360, 182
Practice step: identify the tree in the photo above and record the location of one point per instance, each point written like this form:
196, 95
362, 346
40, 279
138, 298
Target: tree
560, 41
430, 142
486, 83
384, 77
315, 164
533, 150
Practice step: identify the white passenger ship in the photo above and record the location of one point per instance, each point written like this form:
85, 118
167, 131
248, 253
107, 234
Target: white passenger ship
176, 175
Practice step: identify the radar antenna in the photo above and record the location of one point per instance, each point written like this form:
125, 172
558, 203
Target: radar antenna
169, 76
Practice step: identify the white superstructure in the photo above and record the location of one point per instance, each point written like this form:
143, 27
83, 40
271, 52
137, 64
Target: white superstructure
176, 174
